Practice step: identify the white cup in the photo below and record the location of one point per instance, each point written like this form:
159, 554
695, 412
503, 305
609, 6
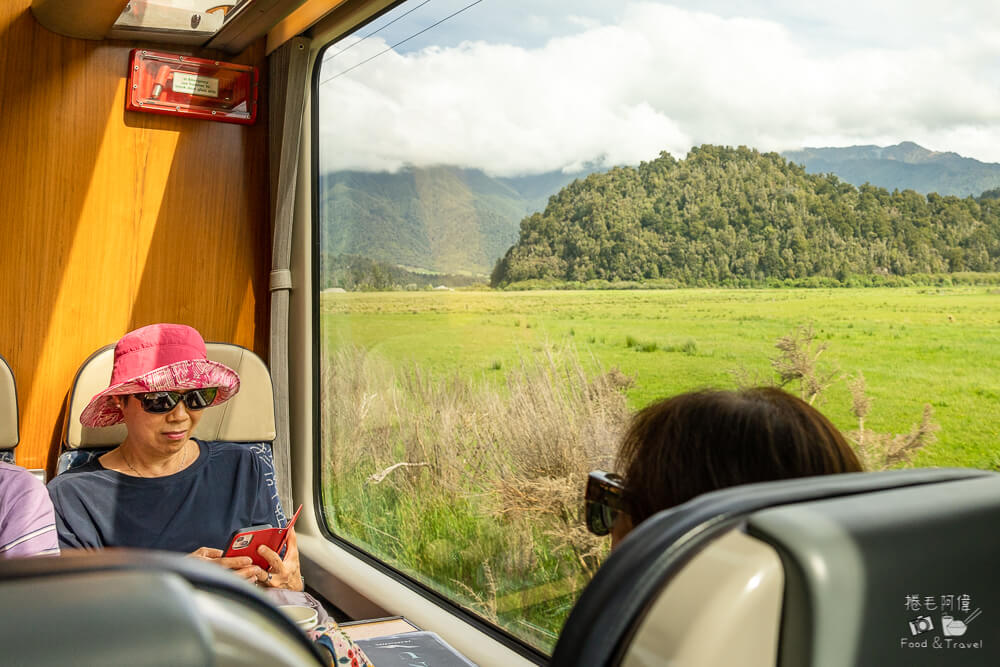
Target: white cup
304, 616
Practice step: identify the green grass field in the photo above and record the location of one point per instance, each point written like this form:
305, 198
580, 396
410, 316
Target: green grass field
458, 426
914, 346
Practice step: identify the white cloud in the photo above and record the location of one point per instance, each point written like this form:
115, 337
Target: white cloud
663, 78
585, 22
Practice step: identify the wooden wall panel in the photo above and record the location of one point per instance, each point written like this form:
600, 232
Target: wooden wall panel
110, 220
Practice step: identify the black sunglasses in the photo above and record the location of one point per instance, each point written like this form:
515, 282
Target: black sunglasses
603, 500
160, 402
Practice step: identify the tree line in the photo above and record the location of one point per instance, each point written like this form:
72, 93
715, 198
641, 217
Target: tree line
363, 274
724, 215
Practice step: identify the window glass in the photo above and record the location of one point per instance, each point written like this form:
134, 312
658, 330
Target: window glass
537, 217
196, 18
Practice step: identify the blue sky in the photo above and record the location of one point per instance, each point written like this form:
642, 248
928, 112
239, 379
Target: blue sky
513, 86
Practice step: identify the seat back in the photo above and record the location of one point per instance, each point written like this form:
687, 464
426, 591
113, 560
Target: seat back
894, 578
8, 413
247, 417
134, 607
824, 572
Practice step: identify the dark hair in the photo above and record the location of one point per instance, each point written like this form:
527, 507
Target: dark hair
681, 447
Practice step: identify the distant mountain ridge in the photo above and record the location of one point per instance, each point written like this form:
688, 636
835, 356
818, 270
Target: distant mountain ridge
443, 219
904, 166
456, 220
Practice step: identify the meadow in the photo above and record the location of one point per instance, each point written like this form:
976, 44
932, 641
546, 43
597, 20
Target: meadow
914, 346
458, 425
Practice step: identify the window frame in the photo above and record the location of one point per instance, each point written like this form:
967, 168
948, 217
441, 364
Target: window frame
311, 146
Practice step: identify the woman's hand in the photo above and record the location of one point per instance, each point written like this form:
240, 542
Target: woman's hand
283, 572
241, 565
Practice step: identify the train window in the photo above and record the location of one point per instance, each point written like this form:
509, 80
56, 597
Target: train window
179, 20
595, 160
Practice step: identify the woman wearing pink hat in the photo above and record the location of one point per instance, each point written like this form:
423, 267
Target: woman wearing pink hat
161, 488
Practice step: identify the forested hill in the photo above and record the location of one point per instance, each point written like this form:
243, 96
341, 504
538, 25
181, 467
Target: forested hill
724, 215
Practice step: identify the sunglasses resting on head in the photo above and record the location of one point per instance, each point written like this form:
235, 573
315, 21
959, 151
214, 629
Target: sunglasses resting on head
160, 402
603, 500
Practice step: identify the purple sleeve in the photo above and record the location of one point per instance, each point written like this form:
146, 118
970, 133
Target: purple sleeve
27, 521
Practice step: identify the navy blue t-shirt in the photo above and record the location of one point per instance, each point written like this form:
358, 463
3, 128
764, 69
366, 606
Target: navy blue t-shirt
201, 506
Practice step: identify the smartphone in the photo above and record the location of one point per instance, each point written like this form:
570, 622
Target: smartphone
245, 541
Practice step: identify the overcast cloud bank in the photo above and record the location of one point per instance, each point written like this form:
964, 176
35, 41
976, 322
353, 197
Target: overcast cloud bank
660, 78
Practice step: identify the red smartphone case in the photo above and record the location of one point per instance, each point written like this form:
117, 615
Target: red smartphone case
245, 541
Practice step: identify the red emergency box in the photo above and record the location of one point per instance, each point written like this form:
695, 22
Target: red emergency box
168, 83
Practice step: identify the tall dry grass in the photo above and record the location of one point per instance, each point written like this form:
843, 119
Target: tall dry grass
880, 451
475, 487
797, 367
550, 420
476, 484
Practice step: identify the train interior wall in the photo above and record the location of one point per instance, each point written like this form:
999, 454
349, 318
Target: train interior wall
112, 219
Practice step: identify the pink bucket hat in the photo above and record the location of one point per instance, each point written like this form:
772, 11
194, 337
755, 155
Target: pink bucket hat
160, 357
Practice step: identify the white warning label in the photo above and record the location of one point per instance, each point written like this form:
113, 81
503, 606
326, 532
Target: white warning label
192, 84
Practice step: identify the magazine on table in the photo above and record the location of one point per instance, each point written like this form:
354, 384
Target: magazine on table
405, 649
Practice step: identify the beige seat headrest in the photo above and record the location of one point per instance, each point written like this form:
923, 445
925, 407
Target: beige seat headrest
8, 407
246, 417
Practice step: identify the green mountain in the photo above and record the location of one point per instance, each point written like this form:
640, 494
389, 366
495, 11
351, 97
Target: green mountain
441, 219
900, 167
727, 215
